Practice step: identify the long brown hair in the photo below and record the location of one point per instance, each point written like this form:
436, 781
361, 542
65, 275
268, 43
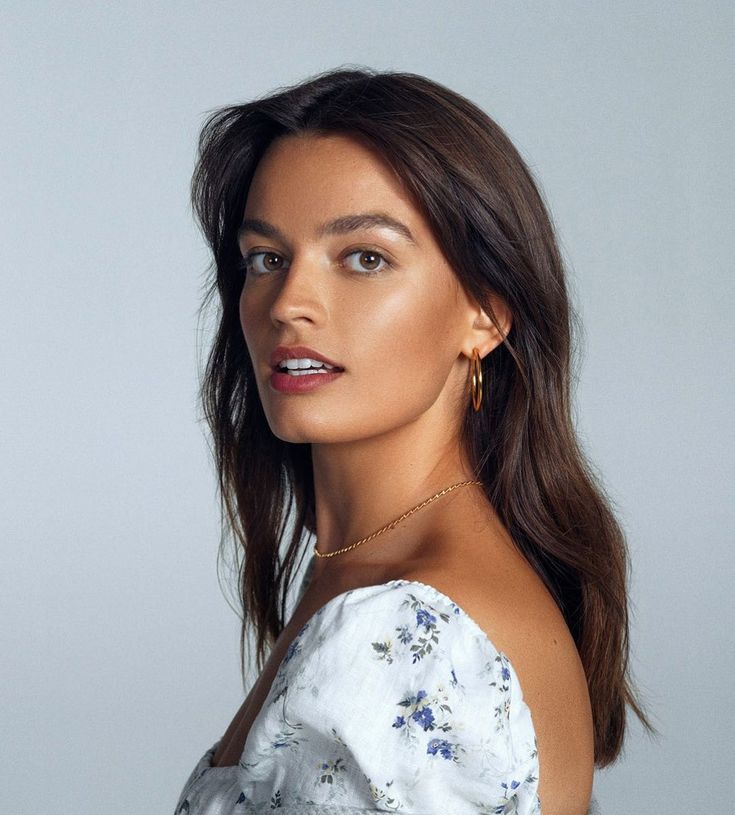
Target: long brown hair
489, 218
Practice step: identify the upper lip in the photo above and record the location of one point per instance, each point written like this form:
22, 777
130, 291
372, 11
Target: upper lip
298, 352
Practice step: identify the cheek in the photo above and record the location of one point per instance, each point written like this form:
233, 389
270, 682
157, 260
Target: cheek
251, 311
405, 340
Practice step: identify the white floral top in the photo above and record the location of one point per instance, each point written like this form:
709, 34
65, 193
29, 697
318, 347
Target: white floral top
390, 698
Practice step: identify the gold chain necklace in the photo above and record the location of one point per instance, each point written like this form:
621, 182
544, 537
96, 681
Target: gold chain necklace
397, 520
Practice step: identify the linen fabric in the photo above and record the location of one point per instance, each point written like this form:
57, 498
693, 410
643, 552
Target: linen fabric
390, 698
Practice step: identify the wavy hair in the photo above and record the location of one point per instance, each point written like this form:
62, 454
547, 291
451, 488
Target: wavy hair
488, 216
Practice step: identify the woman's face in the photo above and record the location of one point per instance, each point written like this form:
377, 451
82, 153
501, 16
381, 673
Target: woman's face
338, 259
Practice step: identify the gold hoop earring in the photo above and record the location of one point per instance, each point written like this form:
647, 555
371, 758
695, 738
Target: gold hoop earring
476, 369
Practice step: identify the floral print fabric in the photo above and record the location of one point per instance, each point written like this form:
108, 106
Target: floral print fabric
390, 698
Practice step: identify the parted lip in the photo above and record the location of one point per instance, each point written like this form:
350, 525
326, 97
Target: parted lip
282, 352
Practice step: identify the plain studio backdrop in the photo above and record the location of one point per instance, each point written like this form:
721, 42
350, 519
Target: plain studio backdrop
119, 661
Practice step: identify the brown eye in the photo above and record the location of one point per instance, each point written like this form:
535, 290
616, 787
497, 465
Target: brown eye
263, 262
271, 261
369, 261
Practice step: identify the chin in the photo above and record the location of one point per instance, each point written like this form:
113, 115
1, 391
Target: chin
311, 429
306, 436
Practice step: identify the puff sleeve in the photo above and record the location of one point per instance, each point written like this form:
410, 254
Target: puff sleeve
391, 698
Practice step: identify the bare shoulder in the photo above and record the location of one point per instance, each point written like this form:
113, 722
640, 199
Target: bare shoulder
511, 604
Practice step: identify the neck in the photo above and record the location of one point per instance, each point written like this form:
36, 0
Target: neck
362, 486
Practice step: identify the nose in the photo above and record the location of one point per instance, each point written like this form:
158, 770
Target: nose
300, 293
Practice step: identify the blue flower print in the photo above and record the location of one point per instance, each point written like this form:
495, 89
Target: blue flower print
441, 746
508, 801
425, 618
501, 662
425, 717
419, 712
426, 712
502, 683
427, 628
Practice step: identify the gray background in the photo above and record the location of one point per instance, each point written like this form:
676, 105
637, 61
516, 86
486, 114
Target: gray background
119, 650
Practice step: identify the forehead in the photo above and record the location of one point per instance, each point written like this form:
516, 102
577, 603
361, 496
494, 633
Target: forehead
331, 174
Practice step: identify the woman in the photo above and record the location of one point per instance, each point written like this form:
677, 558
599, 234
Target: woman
391, 373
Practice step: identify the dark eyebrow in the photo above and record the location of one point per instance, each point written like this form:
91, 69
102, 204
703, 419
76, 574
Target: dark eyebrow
337, 226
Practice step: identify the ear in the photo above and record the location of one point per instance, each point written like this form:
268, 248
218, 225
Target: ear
489, 326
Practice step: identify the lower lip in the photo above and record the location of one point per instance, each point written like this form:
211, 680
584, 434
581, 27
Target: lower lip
304, 383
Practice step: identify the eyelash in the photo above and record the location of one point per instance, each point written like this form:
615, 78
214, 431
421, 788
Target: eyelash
245, 262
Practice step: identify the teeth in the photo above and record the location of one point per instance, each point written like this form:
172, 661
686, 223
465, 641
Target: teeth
303, 364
